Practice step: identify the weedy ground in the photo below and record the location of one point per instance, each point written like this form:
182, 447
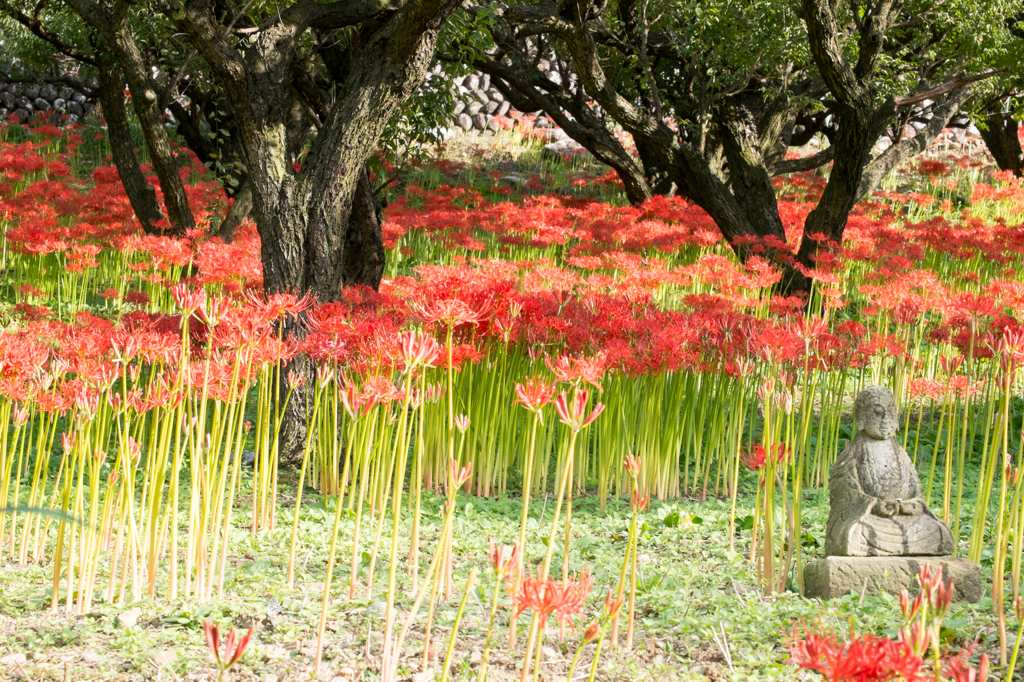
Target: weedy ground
699, 616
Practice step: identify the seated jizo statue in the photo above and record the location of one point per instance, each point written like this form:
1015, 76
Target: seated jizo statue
875, 491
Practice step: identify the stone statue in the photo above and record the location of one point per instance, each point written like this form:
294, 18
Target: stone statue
875, 492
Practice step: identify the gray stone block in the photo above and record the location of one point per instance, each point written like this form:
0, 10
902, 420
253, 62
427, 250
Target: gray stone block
479, 121
835, 576
465, 122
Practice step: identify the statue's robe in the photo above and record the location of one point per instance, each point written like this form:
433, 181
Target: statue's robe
867, 473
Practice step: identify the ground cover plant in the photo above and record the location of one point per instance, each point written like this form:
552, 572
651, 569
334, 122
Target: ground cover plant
567, 437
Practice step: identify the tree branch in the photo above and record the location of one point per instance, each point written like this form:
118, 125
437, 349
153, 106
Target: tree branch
42, 32
806, 163
918, 97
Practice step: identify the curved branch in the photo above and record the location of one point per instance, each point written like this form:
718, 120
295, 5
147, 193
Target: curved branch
42, 32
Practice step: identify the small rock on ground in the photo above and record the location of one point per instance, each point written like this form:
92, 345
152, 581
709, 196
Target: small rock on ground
165, 657
13, 659
129, 618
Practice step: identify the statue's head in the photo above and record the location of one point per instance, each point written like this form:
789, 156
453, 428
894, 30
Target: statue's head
876, 413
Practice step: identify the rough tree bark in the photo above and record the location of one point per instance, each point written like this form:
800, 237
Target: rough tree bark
305, 217
141, 194
111, 23
999, 130
860, 120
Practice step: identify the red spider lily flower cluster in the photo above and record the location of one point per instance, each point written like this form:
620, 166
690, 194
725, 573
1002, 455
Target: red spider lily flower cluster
865, 658
550, 597
534, 394
758, 456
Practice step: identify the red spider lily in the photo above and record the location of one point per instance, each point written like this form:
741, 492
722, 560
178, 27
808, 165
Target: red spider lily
867, 658
503, 557
639, 502
633, 464
918, 637
420, 349
355, 403
459, 476
296, 379
534, 394
212, 311
910, 607
213, 642
959, 670
575, 416
974, 307
379, 390
188, 299
462, 422
758, 456
573, 370
939, 593
592, 631
453, 312
552, 597
950, 364
277, 306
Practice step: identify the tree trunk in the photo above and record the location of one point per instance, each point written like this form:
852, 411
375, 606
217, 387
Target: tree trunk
141, 194
1000, 135
364, 242
111, 22
239, 211
307, 218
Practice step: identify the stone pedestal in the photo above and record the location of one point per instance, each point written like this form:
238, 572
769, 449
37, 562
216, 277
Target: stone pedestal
835, 576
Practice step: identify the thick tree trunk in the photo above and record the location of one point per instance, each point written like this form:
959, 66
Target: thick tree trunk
305, 218
141, 194
1000, 132
861, 121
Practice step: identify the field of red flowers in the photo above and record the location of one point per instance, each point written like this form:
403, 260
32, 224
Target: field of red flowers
607, 381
